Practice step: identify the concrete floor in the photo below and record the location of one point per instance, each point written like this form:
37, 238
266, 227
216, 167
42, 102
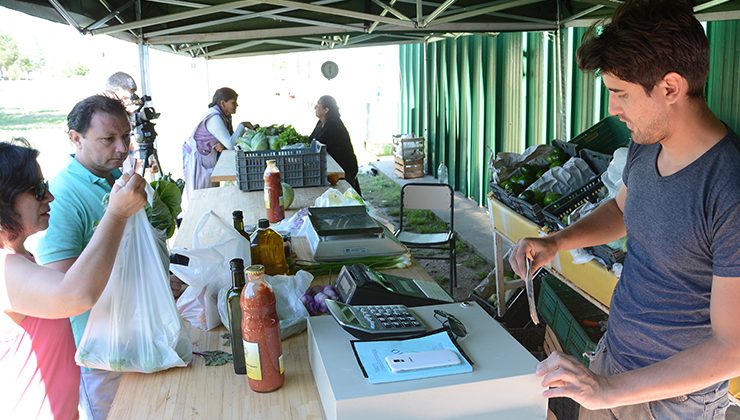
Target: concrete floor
473, 227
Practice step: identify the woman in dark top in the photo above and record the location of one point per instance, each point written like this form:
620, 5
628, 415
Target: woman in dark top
330, 130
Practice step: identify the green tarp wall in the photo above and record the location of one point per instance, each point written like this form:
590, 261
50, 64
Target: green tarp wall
491, 93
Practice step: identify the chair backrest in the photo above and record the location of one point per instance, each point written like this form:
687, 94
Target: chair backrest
427, 196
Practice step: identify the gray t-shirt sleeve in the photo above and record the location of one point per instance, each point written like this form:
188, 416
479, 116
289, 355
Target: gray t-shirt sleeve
631, 151
725, 227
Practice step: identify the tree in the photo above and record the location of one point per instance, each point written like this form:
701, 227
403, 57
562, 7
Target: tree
8, 52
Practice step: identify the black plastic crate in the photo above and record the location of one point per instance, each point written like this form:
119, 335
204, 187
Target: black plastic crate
606, 136
553, 213
501, 195
599, 162
303, 167
608, 255
533, 212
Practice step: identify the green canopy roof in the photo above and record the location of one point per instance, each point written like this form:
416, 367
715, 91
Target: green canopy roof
225, 29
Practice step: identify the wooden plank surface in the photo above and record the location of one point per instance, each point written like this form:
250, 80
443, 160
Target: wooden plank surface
215, 392
224, 200
225, 169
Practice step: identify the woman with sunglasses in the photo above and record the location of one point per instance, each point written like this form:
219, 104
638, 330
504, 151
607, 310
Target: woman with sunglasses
38, 373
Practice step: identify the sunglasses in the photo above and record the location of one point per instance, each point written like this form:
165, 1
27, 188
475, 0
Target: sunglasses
449, 321
40, 188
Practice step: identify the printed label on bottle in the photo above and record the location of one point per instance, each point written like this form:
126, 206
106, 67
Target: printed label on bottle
267, 199
252, 360
280, 363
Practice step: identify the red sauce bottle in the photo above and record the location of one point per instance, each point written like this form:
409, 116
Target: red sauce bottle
261, 333
273, 193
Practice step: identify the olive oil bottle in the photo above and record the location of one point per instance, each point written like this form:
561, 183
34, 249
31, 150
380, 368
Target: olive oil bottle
235, 314
268, 249
238, 217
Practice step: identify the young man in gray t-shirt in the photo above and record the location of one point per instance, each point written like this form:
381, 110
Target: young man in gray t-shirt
672, 340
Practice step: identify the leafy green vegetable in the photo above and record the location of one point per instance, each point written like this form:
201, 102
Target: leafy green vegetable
166, 206
259, 142
215, 357
289, 136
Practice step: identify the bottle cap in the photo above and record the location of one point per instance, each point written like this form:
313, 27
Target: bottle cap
263, 224
237, 214
255, 269
237, 264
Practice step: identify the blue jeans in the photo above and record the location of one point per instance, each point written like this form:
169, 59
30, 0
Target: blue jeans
708, 404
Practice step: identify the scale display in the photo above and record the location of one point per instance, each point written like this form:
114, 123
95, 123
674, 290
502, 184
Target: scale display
343, 220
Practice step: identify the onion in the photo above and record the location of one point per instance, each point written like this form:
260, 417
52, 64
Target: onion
331, 292
316, 289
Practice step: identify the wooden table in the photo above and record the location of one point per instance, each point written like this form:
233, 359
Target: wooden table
215, 392
225, 199
225, 169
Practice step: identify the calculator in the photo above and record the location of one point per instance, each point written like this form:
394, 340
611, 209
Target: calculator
375, 321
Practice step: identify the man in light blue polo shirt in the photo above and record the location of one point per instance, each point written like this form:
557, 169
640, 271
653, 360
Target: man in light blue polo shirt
100, 132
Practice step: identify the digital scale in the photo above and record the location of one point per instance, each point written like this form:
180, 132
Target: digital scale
359, 285
346, 232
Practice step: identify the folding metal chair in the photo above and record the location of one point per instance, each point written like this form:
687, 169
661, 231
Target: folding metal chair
429, 196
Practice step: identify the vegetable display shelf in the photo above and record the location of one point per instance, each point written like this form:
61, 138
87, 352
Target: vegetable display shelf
591, 280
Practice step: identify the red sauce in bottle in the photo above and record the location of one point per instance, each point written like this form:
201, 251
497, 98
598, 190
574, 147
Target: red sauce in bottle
261, 333
273, 193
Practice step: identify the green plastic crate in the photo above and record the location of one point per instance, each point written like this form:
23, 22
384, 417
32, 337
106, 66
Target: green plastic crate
605, 136
564, 309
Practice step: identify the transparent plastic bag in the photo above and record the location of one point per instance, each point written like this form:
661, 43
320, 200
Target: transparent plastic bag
333, 197
215, 243
288, 291
134, 326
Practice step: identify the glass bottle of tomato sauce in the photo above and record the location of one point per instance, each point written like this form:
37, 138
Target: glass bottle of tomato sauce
273, 193
261, 333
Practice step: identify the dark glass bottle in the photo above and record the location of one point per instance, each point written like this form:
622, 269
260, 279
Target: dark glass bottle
268, 249
239, 223
235, 314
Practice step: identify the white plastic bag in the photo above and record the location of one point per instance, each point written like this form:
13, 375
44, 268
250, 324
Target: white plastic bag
612, 177
288, 291
134, 326
208, 270
333, 197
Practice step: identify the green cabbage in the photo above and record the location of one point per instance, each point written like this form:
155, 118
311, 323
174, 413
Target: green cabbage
259, 142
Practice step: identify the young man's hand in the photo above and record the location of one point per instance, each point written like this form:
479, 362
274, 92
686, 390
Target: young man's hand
539, 250
565, 376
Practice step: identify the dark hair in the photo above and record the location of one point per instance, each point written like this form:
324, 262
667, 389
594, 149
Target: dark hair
79, 118
18, 172
223, 94
120, 80
645, 40
329, 102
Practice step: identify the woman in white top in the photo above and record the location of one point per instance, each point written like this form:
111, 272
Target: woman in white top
211, 136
